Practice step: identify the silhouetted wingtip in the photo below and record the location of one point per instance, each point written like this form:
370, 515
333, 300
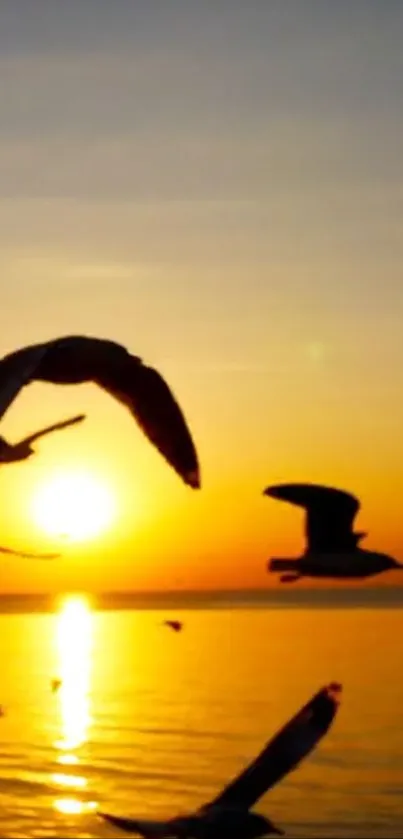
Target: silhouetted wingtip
193, 479
108, 817
334, 691
123, 824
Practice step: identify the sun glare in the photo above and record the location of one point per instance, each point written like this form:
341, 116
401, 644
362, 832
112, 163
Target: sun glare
74, 639
75, 505
74, 642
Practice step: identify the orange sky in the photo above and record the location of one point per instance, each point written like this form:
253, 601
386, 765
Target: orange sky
218, 191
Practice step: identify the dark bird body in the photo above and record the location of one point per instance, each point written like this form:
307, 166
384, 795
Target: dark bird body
176, 626
77, 359
14, 452
332, 548
215, 824
229, 816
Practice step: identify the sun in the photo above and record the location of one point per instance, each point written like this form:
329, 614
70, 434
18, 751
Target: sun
75, 505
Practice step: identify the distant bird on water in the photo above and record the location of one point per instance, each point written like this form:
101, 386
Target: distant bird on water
175, 625
77, 359
229, 816
331, 544
13, 452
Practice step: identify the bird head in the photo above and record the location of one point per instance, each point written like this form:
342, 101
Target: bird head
22, 451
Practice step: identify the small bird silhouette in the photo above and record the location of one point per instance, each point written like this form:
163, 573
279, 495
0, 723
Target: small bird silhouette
77, 359
13, 452
229, 814
331, 544
27, 555
55, 685
175, 625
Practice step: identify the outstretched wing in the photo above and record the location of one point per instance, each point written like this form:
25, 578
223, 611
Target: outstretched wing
330, 514
76, 359
27, 555
57, 426
149, 399
16, 370
148, 829
284, 752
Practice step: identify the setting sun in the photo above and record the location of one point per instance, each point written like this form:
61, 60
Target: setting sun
74, 505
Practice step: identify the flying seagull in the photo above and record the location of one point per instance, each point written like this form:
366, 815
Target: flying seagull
229, 814
175, 625
13, 452
331, 544
77, 359
27, 555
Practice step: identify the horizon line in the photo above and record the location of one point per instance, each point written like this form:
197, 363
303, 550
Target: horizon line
202, 592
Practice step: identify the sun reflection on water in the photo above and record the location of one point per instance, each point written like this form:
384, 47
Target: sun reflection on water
73, 807
74, 637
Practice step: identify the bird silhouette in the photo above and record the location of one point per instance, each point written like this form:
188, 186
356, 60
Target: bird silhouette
13, 452
175, 625
332, 548
229, 814
27, 555
55, 685
77, 359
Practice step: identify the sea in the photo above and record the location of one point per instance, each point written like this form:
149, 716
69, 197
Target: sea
145, 721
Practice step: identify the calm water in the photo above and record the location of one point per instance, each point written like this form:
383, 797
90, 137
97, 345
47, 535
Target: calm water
149, 722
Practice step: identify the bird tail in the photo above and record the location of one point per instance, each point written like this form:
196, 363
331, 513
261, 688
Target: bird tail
284, 565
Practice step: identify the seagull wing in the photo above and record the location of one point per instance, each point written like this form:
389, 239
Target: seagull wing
27, 555
16, 370
149, 399
284, 752
144, 827
57, 426
76, 359
330, 514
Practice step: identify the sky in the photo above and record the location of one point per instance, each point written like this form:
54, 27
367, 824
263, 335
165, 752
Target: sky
218, 186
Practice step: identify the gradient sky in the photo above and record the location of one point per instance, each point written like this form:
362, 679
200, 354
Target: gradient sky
219, 187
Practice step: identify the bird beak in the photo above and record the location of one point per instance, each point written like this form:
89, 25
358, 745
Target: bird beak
277, 830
